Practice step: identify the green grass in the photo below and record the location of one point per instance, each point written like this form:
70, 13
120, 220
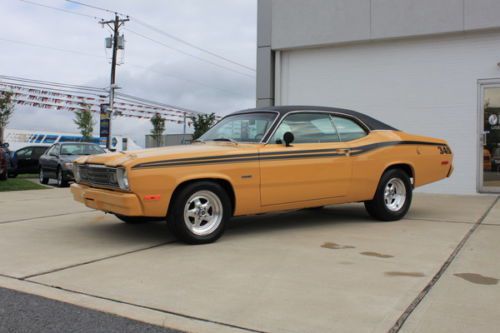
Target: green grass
28, 175
19, 184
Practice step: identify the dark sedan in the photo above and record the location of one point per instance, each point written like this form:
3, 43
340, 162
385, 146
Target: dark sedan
57, 161
4, 163
26, 160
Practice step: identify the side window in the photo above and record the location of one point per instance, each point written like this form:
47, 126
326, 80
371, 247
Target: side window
24, 153
38, 151
348, 129
307, 128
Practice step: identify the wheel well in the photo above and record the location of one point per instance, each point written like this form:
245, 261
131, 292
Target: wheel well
406, 168
226, 185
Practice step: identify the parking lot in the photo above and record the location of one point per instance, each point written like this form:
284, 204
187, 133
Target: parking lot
306, 271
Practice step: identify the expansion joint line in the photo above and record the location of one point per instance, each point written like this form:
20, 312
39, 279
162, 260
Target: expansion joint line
404, 316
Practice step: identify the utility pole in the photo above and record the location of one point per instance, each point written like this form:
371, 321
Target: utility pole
115, 45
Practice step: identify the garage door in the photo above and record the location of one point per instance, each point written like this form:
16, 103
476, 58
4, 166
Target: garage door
424, 86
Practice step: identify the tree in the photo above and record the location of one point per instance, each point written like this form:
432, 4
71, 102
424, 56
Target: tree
85, 122
158, 128
202, 123
6, 111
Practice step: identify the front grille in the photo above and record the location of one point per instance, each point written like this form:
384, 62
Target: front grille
98, 175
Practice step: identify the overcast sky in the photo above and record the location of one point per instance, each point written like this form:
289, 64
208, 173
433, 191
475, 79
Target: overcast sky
226, 27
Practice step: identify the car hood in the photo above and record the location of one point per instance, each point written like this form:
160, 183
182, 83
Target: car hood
69, 158
131, 158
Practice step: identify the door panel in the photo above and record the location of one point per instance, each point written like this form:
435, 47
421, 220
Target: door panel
303, 172
489, 159
23, 157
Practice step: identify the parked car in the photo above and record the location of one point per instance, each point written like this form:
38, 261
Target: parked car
26, 160
264, 160
57, 161
4, 163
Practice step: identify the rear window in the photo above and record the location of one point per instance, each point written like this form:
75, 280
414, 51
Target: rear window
348, 129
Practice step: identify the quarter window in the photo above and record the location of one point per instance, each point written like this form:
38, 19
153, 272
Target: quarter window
307, 128
348, 129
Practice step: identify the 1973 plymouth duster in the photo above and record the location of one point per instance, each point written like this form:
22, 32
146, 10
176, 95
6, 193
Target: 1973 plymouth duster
264, 160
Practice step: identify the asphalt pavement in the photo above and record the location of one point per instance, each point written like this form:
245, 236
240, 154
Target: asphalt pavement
20, 312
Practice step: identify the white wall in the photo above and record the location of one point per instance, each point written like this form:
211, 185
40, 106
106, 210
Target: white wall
299, 23
422, 86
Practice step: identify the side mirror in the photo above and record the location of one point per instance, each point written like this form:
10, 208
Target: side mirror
288, 138
5, 145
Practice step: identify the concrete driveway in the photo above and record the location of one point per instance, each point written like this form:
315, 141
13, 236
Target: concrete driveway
306, 271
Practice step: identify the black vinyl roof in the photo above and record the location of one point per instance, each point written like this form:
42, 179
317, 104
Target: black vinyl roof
371, 123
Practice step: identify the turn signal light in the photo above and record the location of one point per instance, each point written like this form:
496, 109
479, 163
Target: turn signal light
152, 197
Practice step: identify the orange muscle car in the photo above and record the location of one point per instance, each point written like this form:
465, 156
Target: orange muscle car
264, 160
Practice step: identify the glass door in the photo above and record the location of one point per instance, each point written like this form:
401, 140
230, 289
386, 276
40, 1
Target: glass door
489, 149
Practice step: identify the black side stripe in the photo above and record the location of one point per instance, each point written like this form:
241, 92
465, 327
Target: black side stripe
266, 156
373, 146
236, 160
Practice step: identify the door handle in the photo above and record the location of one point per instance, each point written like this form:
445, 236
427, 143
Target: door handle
344, 151
483, 138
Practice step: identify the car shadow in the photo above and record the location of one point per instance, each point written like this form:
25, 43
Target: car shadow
299, 219
109, 227
158, 232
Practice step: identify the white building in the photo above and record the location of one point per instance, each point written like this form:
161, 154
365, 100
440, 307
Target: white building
423, 66
18, 139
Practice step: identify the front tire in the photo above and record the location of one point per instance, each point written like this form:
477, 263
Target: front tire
41, 177
61, 182
199, 212
392, 198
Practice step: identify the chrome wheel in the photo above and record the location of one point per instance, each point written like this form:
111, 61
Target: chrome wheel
203, 213
59, 178
394, 194
40, 175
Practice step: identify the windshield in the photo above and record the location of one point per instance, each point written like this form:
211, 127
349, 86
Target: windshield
246, 127
81, 149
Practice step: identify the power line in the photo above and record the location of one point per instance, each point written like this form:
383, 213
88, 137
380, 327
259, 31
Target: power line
180, 40
198, 83
59, 9
50, 47
143, 100
95, 7
131, 64
51, 83
188, 54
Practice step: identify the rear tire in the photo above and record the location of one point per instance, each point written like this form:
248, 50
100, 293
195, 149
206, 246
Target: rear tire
41, 177
4, 176
392, 198
199, 212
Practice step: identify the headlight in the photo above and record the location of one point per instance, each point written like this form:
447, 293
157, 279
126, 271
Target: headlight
68, 165
122, 178
76, 172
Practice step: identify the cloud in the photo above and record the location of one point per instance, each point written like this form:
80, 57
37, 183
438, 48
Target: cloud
150, 70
